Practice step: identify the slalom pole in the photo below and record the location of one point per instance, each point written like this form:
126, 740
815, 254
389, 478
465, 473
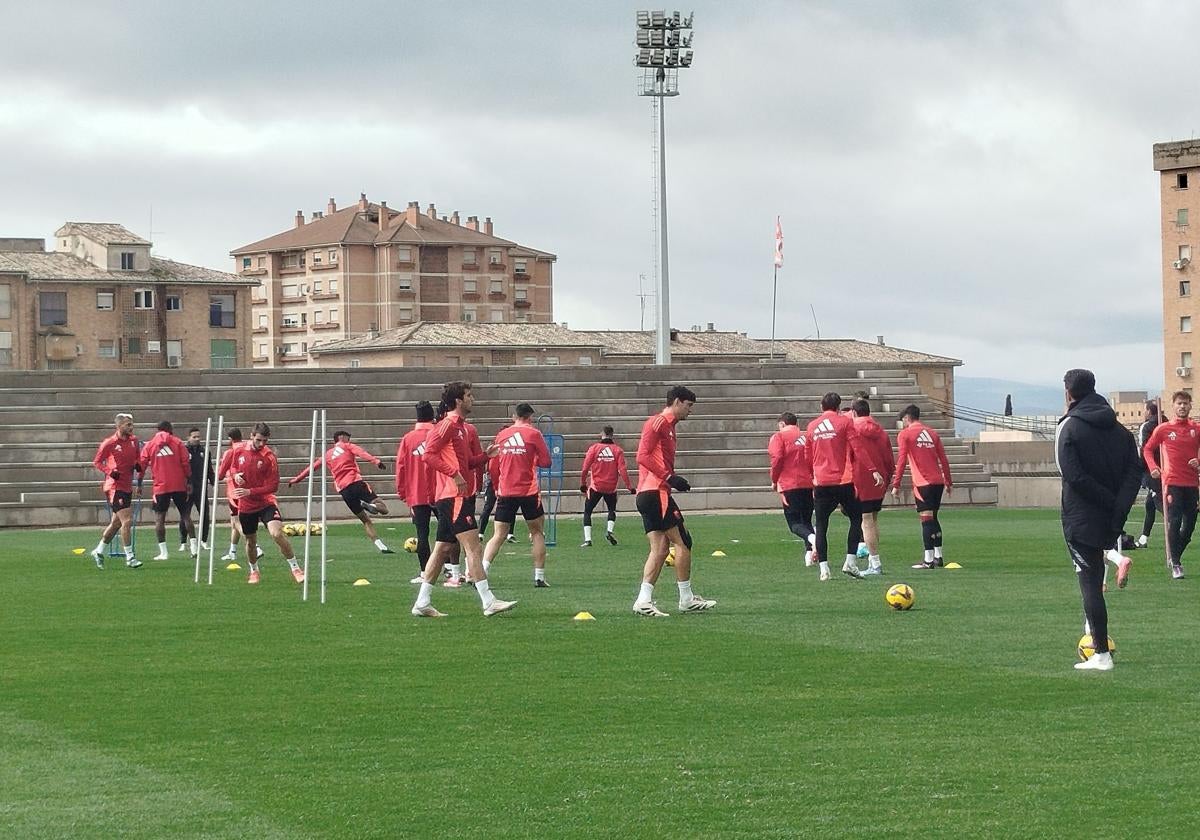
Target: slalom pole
312, 449
324, 479
212, 501
203, 496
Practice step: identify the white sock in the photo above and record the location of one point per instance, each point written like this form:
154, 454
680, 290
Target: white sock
611, 524
824, 566
929, 555
101, 547
539, 574
292, 562
129, 552
812, 541
646, 593
192, 544
487, 565
685, 590
233, 548
453, 567
875, 561
937, 552
485, 593
587, 533
380, 544
254, 567
851, 560
162, 548
425, 595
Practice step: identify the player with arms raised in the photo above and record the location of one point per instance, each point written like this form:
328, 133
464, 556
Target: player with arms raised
117, 458
342, 459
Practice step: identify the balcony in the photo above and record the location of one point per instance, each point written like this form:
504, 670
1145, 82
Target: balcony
408, 264
253, 272
324, 296
523, 304
406, 293
292, 299
497, 296
260, 330
497, 267
296, 328
328, 325
470, 295
470, 266
325, 266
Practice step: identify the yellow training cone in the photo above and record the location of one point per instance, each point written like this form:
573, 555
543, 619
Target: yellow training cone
233, 567
584, 616
78, 550
953, 566
718, 553
362, 582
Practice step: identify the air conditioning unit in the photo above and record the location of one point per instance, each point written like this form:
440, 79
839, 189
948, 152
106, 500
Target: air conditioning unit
1181, 263
173, 361
1183, 371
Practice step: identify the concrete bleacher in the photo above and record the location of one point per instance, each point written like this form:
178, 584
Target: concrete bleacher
51, 422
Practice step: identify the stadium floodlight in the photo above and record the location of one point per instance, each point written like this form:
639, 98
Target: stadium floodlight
664, 41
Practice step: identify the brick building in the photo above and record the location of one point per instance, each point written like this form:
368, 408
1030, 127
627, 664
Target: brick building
1178, 165
368, 269
101, 301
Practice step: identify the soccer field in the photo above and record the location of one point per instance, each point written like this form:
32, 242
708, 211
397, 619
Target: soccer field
137, 704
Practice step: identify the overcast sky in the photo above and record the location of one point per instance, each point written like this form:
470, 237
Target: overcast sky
966, 178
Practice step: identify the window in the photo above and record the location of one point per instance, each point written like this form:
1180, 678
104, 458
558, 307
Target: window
403, 254
143, 298
529, 360
1181, 181
133, 345
1185, 252
552, 360
5, 349
293, 260
258, 293
496, 287
127, 260
416, 361
105, 300
1185, 359
521, 294
52, 308
475, 361
5, 300
520, 265
939, 380
291, 291
293, 320
355, 363
316, 258
522, 315
287, 350
174, 303
406, 283
332, 287
470, 287
153, 346
494, 256
333, 316
245, 263
262, 262
497, 316
220, 311
60, 364
222, 353
174, 352
262, 321
1185, 323
452, 361
470, 315
262, 351
319, 317
585, 360
333, 256
405, 314
1181, 217
1185, 288
316, 287
469, 257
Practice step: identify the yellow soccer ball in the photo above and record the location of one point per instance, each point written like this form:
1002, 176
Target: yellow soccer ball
671, 555
410, 545
316, 529
300, 529
1086, 649
289, 530
900, 597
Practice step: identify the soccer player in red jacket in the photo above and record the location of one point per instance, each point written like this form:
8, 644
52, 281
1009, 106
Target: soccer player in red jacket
415, 482
522, 450
256, 477
661, 517
342, 462
1178, 445
448, 451
225, 473
603, 467
922, 450
791, 478
166, 457
836, 448
117, 459
870, 495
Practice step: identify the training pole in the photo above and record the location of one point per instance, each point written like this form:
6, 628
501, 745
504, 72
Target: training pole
212, 501
203, 497
324, 478
312, 455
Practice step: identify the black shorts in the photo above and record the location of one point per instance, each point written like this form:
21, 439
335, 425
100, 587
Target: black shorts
119, 500
250, 521
163, 502
354, 495
659, 511
870, 505
507, 507
830, 497
929, 497
455, 516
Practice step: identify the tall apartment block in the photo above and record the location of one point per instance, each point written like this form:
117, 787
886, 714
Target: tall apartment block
1178, 165
368, 268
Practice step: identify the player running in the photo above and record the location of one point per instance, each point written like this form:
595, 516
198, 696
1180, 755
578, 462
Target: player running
661, 517
256, 478
603, 466
415, 482
167, 459
791, 478
921, 449
1177, 444
448, 452
870, 495
117, 457
522, 449
836, 449
225, 473
342, 460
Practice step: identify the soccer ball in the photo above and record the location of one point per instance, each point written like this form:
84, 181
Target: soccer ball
410, 545
289, 530
900, 597
1086, 649
315, 529
671, 555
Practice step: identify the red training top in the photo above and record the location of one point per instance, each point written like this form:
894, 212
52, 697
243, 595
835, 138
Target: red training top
120, 454
875, 440
225, 471
790, 466
259, 470
603, 465
834, 447
522, 451
415, 480
167, 459
448, 451
656, 452
342, 459
1180, 442
921, 447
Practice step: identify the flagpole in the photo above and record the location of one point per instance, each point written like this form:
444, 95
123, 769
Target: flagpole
774, 292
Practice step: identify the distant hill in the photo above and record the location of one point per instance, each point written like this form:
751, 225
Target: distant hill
988, 395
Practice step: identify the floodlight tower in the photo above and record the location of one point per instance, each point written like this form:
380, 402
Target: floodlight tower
664, 42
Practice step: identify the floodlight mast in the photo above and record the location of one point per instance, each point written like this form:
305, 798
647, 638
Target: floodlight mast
664, 41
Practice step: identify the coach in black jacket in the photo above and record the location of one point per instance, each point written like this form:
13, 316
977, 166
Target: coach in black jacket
1101, 473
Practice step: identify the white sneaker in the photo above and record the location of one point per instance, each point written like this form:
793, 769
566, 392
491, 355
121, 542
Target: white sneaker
418, 579
825, 575
133, 562
259, 552
428, 611
809, 558
873, 571
650, 610
229, 555
160, 556
696, 604
203, 545
1098, 662
1143, 541
851, 569
98, 558
192, 548
182, 547
499, 606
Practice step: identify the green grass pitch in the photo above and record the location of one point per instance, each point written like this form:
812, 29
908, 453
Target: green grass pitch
137, 704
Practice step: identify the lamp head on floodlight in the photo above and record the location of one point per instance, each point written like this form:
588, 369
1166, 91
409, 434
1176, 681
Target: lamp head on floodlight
664, 42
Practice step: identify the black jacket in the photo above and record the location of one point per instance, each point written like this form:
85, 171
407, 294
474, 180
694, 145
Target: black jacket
196, 458
1101, 472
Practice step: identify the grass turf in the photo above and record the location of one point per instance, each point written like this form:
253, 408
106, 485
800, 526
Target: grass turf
134, 703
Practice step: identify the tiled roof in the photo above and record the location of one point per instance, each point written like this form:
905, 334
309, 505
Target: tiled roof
105, 233
849, 350
68, 267
685, 343
455, 334
345, 226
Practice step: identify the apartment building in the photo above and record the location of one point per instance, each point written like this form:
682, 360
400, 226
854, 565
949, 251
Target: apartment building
367, 269
101, 301
1178, 165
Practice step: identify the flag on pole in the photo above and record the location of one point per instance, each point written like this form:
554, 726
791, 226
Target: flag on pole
778, 244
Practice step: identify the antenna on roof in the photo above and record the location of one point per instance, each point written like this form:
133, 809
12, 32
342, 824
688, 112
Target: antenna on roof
642, 295
150, 233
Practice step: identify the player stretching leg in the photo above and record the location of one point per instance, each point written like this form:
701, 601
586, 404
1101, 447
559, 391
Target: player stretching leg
117, 459
837, 451
513, 471
661, 517
415, 481
342, 460
448, 452
921, 449
603, 465
1178, 445
870, 495
791, 478
167, 459
256, 474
